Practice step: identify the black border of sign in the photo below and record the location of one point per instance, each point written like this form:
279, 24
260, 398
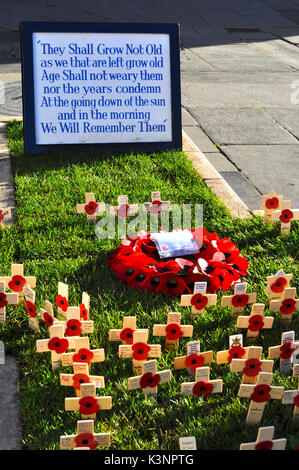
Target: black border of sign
29, 27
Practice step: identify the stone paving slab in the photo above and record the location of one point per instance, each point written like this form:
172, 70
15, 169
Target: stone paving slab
287, 117
220, 162
243, 187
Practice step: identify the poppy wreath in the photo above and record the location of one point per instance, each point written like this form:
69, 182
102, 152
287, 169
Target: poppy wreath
218, 263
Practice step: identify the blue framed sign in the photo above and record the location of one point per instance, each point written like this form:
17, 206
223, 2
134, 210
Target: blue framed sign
105, 86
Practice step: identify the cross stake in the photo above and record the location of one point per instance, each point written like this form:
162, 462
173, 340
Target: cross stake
90, 207
140, 351
62, 298
199, 299
157, 205
270, 203
57, 344
29, 295
239, 300
187, 443
85, 437
47, 314
173, 330
6, 299
88, 404
150, 379
285, 351
74, 326
202, 386
235, 351
123, 209
285, 216
255, 322
17, 281
194, 358
286, 306
81, 375
83, 353
265, 441
125, 334
252, 365
291, 397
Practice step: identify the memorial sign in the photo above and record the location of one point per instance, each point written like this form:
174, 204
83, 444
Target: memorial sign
113, 86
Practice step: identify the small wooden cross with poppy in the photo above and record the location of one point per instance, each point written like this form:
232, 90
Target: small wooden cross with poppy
194, 358
285, 216
255, 322
202, 386
270, 202
81, 376
91, 208
285, 351
83, 353
4, 214
29, 295
239, 300
265, 441
47, 314
124, 210
173, 330
88, 404
259, 394
139, 351
62, 298
235, 351
187, 443
56, 344
17, 281
286, 306
84, 306
157, 205
149, 379
277, 284
6, 298
85, 438
125, 334
252, 365
199, 299
291, 397
74, 326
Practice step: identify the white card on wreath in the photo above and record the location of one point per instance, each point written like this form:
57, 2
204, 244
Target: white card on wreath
177, 243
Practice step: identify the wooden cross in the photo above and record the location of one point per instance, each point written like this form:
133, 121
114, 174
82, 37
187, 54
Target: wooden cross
56, 344
265, 441
286, 306
29, 295
199, 299
74, 326
85, 438
140, 351
285, 351
187, 443
88, 404
291, 397
194, 358
277, 284
62, 301
202, 386
4, 214
83, 353
84, 306
123, 209
47, 314
91, 208
6, 298
157, 205
173, 330
252, 365
255, 322
125, 334
235, 351
239, 300
285, 216
81, 375
270, 202
150, 379
259, 394
17, 281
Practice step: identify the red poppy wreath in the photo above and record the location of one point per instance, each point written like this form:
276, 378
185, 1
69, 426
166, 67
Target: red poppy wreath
219, 263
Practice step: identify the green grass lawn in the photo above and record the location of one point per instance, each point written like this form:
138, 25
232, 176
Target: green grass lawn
57, 244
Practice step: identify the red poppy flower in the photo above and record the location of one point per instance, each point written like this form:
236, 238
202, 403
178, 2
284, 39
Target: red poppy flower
91, 207
3, 301
287, 349
239, 264
296, 400
79, 379
194, 360
62, 303
272, 203
140, 351
255, 323
286, 215
123, 211
73, 328
83, 312
17, 283
141, 275
261, 393
199, 301
173, 285
149, 380
252, 367
167, 267
236, 352
288, 306
1, 216
156, 207
240, 300
48, 319
31, 309
279, 285
88, 406
173, 331
86, 439
202, 388
264, 445
127, 335
83, 355
59, 345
